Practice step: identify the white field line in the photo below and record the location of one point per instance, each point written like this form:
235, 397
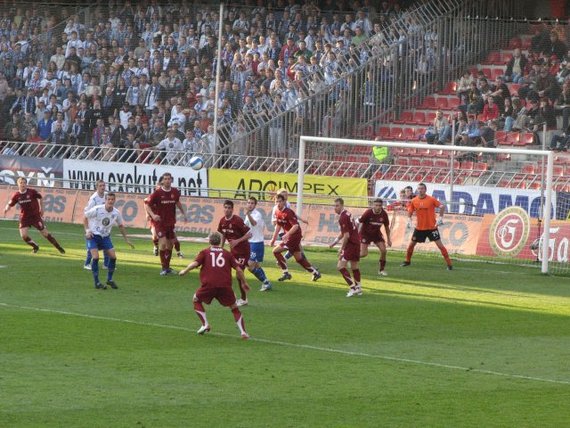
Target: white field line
300, 346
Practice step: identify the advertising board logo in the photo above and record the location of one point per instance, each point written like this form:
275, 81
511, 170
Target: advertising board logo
509, 231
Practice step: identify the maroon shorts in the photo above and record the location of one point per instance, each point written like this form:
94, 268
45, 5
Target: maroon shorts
224, 295
241, 259
164, 231
368, 239
36, 222
351, 252
293, 244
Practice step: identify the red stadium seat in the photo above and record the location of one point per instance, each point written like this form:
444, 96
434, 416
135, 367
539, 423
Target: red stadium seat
442, 103
395, 132
449, 89
430, 116
401, 160
529, 168
428, 103
452, 103
513, 138
497, 72
384, 132
441, 163
493, 58
500, 136
527, 138
406, 118
487, 72
409, 134
419, 118
467, 165
558, 171
415, 162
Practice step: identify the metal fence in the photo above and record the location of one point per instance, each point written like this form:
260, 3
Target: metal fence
355, 91
503, 174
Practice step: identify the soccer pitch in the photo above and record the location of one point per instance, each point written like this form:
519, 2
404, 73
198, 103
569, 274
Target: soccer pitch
482, 345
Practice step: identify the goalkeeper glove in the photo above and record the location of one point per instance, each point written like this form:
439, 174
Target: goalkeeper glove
409, 225
440, 221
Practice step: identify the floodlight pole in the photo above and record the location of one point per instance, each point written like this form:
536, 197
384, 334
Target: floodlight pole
218, 73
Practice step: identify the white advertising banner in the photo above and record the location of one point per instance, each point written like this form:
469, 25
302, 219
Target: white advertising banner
472, 200
132, 177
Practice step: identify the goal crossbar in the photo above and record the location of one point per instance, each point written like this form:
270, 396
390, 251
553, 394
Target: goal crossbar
372, 143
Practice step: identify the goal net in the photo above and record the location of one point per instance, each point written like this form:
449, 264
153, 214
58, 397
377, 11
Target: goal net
502, 204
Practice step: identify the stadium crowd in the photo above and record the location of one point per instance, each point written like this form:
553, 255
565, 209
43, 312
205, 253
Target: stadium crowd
540, 93
141, 76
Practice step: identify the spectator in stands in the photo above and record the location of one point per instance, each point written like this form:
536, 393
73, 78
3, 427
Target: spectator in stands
44, 125
171, 147
546, 85
58, 136
474, 100
554, 46
544, 115
510, 110
470, 136
488, 134
440, 131
563, 104
490, 111
560, 142
516, 67
464, 86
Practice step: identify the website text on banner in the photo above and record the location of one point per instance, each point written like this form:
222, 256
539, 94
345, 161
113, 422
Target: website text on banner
472, 200
317, 190
131, 177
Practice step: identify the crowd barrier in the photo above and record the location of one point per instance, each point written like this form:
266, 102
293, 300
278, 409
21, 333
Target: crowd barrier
511, 233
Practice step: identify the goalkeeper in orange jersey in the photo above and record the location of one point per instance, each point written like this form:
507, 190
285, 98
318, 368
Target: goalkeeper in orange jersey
426, 224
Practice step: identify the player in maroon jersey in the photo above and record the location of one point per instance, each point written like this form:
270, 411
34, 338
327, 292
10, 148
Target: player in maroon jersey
31, 214
161, 207
371, 222
216, 282
152, 227
286, 219
234, 230
349, 251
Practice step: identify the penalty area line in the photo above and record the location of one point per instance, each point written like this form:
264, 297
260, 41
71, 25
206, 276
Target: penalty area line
297, 345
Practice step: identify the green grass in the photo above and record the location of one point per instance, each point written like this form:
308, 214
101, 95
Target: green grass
483, 345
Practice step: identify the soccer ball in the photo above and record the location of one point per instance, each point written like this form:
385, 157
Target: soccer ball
196, 163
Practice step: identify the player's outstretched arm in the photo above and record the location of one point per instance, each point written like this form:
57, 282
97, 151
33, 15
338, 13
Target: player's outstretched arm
441, 214
188, 268
7, 208
124, 233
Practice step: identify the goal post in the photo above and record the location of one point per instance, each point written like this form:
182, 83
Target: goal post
486, 180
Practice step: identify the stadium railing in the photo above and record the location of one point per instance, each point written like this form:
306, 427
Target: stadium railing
507, 174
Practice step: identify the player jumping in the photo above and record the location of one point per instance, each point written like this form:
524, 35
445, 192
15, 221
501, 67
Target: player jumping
98, 222
31, 214
234, 230
97, 198
426, 225
216, 282
254, 220
371, 222
286, 219
161, 207
349, 249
